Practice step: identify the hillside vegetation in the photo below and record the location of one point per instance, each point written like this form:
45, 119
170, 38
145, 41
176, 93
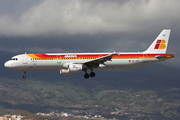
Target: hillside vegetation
3, 111
140, 89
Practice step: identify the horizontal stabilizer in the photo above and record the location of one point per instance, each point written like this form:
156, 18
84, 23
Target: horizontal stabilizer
165, 56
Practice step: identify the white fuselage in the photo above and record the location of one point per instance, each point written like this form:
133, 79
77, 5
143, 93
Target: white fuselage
25, 62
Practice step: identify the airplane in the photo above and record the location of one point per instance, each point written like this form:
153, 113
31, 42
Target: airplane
70, 63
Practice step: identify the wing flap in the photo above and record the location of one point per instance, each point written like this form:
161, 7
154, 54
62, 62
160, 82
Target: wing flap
101, 60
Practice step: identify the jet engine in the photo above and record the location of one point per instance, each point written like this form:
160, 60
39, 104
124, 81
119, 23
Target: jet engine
72, 68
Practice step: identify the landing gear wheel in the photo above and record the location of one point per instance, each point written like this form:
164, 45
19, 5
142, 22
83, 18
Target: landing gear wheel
86, 76
92, 74
24, 76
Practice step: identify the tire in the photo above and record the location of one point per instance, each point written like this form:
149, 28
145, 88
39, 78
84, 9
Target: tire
92, 74
24, 76
86, 76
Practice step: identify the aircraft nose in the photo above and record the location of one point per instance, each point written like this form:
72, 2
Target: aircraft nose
7, 64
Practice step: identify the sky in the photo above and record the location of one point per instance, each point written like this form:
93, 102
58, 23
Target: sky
43, 26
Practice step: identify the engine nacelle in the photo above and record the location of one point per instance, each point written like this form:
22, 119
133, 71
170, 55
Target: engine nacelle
75, 67
72, 68
65, 72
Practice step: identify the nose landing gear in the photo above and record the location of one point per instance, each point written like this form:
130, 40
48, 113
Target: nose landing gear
24, 76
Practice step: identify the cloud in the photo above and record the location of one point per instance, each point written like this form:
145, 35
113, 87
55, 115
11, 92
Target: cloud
61, 17
87, 25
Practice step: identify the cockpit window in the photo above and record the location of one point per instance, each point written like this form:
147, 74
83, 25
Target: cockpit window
14, 59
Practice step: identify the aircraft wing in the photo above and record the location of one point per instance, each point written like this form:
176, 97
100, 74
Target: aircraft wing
101, 60
165, 56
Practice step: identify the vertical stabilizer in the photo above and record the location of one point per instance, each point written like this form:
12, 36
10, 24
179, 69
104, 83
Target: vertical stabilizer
160, 43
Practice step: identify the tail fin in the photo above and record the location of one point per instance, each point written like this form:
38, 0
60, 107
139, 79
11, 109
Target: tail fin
160, 43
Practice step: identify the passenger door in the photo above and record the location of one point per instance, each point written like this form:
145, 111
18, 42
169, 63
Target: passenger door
25, 61
58, 59
145, 59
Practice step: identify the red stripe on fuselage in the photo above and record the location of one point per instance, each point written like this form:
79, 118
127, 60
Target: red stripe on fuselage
93, 55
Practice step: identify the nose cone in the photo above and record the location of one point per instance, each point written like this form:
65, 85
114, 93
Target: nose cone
7, 64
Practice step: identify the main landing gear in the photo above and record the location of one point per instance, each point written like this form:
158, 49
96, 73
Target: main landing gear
24, 76
86, 75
